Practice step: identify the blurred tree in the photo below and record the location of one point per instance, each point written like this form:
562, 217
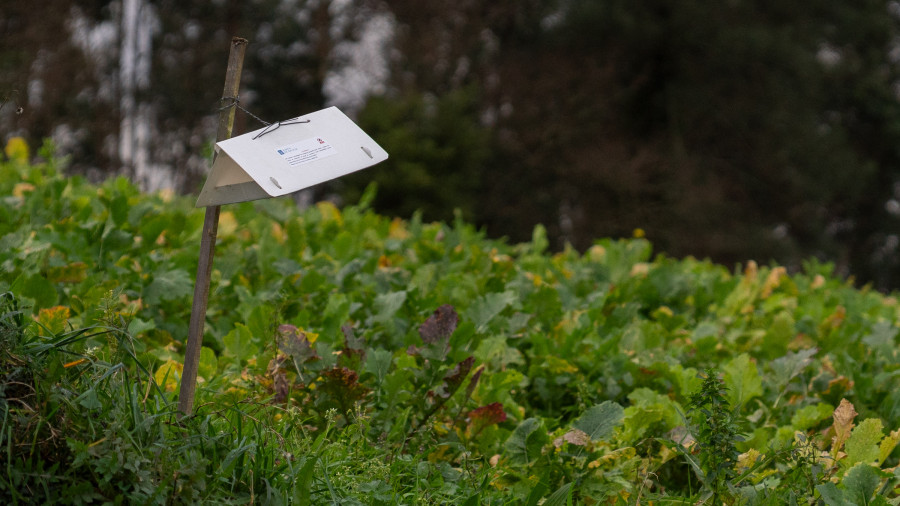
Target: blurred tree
133, 85
735, 130
739, 129
438, 155
775, 125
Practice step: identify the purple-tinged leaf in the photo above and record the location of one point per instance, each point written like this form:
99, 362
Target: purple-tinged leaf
438, 328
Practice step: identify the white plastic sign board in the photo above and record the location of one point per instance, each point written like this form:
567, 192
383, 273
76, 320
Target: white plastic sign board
288, 156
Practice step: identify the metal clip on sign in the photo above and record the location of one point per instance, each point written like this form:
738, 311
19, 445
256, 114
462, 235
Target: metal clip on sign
274, 126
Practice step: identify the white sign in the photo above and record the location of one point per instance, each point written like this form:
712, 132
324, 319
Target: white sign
306, 151
288, 156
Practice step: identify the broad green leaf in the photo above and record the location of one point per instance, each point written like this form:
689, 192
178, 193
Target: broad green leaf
498, 353
208, 363
831, 494
118, 209
561, 497
497, 386
881, 338
648, 399
487, 307
337, 311
539, 242
137, 326
525, 443
648, 409
860, 482
261, 321
38, 288
742, 380
89, 400
115, 238
864, 442
779, 334
239, 342
808, 417
687, 379
789, 366
387, 304
168, 285
599, 421
378, 362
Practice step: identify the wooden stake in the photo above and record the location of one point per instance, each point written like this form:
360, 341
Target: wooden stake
208, 241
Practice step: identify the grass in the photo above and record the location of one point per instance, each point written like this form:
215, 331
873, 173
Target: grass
78, 428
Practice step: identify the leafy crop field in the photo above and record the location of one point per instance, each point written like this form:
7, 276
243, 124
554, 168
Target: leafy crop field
351, 358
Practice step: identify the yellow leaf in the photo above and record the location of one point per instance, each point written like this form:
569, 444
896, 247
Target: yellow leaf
310, 336
597, 253
887, 445
620, 454
278, 233
834, 320
772, 281
843, 423
329, 212
166, 195
17, 149
227, 224
558, 365
73, 273
20, 188
748, 459
398, 229
751, 271
168, 376
665, 310
640, 269
536, 279
54, 318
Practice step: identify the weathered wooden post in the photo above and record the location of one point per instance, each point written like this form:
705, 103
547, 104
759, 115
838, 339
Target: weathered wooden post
208, 240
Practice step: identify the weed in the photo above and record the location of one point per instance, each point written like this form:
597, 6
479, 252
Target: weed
717, 434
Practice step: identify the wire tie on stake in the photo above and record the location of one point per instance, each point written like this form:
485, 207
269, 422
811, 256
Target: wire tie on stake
236, 102
270, 127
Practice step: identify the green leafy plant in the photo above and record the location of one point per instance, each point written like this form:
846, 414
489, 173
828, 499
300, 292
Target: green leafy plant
354, 358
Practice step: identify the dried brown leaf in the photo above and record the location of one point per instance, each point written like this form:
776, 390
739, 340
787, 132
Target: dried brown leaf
577, 437
843, 423
292, 341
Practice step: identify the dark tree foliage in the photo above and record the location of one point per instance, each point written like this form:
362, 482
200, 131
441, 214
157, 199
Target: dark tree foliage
738, 129
735, 130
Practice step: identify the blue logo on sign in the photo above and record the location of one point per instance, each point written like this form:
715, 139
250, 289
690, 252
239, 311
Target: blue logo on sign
280, 152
